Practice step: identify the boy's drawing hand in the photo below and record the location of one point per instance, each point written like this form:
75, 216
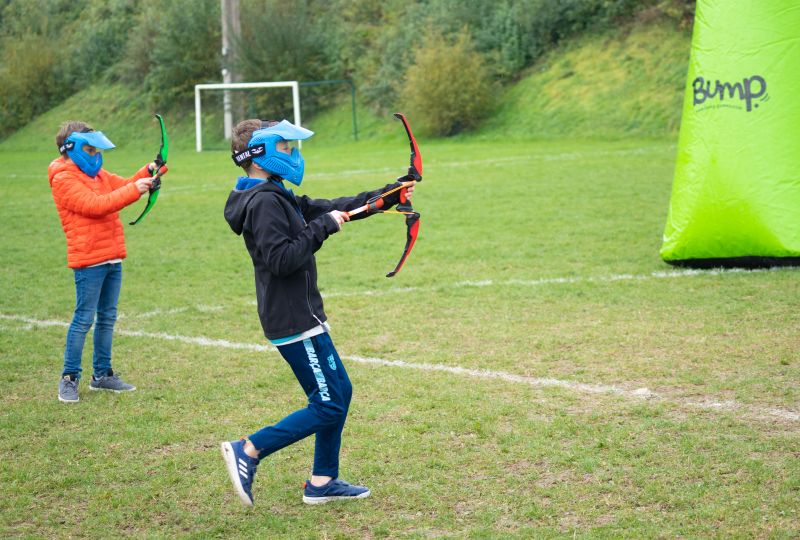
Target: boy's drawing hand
144, 185
339, 217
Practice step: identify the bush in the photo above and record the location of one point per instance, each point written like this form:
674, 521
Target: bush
51, 49
282, 41
27, 81
32, 59
448, 89
96, 42
176, 46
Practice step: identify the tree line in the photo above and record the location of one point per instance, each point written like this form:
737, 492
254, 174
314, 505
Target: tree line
442, 58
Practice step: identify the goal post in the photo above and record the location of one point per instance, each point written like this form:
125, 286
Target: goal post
241, 86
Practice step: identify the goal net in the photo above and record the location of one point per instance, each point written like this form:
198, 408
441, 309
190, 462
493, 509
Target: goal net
218, 106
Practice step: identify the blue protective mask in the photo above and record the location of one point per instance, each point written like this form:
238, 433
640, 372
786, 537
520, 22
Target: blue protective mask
290, 167
73, 145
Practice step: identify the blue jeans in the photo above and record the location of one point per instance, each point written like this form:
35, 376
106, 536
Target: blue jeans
97, 292
321, 374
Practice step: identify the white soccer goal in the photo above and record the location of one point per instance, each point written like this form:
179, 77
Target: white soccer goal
239, 86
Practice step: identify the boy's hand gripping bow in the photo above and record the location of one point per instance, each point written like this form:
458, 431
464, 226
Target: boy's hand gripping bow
376, 204
160, 161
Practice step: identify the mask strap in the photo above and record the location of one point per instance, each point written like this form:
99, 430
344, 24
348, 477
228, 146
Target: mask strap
66, 146
248, 153
69, 145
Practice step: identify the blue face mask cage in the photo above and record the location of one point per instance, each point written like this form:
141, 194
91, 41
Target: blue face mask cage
290, 167
73, 146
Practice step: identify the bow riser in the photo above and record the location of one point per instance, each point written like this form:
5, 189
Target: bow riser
160, 161
405, 207
375, 205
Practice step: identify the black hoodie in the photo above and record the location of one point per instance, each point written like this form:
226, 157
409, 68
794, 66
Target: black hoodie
282, 232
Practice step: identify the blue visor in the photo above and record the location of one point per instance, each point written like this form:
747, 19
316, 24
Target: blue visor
285, 130
93, 138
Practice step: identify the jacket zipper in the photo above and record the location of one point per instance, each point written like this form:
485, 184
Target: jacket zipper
308, 297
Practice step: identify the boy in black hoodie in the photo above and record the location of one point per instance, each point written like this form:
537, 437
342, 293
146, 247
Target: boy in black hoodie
282, 232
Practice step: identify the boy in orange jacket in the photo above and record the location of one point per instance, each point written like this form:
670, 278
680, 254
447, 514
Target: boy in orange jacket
88, 199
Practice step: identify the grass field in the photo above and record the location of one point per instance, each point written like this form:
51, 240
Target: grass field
534, 371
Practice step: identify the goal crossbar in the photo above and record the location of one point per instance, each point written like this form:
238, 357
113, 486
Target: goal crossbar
241, 86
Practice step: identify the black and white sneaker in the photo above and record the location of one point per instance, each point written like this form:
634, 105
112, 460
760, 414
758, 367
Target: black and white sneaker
241, 469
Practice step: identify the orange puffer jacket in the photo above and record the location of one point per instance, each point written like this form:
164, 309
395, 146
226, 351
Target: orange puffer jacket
89, 211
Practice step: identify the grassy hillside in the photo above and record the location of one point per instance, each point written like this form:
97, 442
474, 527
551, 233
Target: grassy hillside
117, 110
612, 85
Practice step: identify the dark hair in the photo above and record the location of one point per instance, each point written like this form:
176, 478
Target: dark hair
243, 132
69, 127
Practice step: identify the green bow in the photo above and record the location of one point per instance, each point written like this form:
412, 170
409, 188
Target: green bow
160, 161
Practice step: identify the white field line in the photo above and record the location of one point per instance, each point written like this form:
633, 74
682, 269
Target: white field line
542, 156
561, 156
190, 340
434, 164
196, 187
586, 388
158, 312
670, 274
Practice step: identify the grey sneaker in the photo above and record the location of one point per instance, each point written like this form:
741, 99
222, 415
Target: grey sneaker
68, 390
110, 382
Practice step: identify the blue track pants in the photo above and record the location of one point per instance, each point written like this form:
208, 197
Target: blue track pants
321, 374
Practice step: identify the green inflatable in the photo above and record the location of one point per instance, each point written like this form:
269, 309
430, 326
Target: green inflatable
736, 193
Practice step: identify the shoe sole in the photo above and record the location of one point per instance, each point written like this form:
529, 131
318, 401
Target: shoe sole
112, 390
323, 500
61, 399
233, 471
